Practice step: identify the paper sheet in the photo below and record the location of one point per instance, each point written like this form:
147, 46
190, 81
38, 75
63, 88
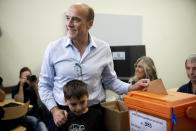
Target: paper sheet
157, 86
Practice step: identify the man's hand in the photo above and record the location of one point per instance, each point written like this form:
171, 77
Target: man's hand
140, 85
59, 116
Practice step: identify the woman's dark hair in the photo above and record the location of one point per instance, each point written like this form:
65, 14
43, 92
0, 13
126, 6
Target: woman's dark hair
24, 69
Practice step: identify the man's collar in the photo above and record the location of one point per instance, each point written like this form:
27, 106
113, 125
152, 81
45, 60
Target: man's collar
92, 43
68, 42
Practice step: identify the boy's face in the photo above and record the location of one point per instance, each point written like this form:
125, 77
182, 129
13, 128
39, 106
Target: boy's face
78, 106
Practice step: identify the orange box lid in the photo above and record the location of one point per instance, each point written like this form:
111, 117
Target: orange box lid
159, 104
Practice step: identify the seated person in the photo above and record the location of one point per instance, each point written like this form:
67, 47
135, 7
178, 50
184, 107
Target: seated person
2, 95
1, 83
144, 69
2, 91
27, 90
190, 65
80, 117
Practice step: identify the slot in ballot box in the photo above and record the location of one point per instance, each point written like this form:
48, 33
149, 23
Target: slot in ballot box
156, 112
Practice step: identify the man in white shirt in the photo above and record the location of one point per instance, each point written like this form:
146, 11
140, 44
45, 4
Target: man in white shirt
81, 56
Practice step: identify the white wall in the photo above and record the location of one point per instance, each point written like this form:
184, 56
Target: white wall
169, 28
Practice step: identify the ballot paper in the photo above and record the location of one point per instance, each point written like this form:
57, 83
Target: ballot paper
157, 86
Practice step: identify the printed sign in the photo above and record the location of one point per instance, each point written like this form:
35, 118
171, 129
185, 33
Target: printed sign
118, 55
143, 122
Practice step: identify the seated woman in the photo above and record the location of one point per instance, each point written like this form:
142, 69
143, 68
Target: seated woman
144, 69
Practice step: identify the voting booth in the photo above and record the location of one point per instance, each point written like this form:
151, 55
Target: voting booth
150, 111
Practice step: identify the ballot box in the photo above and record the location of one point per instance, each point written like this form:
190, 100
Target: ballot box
157, 112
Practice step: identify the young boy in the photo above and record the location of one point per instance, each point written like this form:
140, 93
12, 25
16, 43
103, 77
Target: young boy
80, 117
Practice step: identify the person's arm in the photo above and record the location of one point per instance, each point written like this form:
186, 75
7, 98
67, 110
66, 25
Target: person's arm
2, 95
139, 85
45, 88
35, 87
46, 80
110, 80
109, 77
59, 116
19, 97
2, 92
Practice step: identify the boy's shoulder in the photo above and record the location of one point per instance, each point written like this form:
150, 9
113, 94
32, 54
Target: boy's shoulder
93, 113
89, 120
90, 113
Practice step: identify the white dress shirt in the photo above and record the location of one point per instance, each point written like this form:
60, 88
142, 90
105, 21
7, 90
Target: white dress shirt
62, 62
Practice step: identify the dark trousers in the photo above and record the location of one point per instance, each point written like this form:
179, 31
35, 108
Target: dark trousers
53, 127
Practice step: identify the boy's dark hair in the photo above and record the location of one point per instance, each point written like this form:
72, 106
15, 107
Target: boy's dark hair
75, 88
24, 69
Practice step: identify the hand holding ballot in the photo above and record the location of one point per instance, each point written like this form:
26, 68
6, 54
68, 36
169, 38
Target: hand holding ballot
140, 85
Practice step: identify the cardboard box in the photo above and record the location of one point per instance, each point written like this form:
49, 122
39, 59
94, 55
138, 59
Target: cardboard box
115, 116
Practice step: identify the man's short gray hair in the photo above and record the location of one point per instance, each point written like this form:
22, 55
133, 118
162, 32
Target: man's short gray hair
191, 58
90, 14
